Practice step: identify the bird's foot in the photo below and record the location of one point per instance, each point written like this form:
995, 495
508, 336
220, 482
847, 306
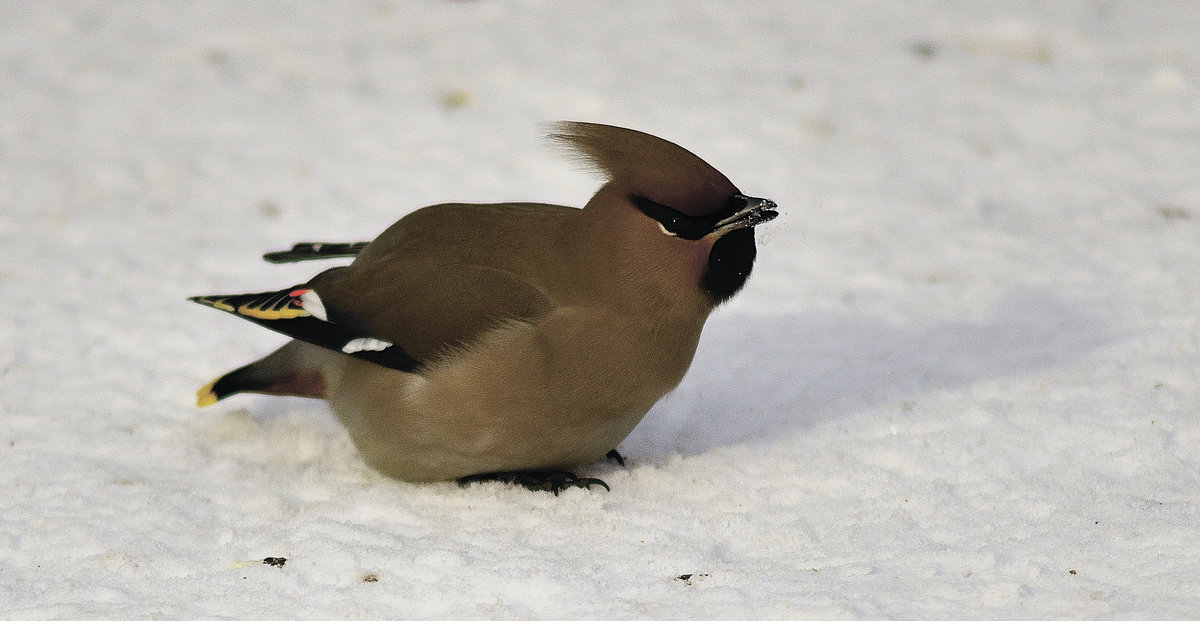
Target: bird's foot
613, 455
553, 481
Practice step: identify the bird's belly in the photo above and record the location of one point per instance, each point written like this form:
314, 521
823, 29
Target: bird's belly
512, 401
428, 438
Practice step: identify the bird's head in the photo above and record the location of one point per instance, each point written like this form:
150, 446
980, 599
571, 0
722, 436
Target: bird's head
675, 217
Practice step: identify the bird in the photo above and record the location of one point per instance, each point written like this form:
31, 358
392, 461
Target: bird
511, 341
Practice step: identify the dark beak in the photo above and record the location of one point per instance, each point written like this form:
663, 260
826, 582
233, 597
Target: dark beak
749, 211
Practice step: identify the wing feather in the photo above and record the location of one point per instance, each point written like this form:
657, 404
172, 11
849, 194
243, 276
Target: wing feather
299, 313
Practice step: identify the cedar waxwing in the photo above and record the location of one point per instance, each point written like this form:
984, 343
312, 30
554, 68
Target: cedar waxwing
512, 341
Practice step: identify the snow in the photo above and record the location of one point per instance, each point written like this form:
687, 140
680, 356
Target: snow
964, 378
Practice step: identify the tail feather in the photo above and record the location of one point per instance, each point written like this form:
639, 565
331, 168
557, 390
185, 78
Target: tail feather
292, 370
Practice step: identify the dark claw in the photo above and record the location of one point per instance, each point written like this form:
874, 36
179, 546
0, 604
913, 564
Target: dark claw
615, 456
553, 481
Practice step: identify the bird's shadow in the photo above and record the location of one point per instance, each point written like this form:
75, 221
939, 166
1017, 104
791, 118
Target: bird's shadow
760, 377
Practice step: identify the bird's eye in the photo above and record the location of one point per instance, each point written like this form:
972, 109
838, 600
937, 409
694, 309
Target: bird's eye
672, 222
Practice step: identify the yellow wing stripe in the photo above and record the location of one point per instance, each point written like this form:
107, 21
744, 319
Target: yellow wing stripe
259, 312
272, 306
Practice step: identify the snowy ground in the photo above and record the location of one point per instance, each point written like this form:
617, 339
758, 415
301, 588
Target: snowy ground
965, 376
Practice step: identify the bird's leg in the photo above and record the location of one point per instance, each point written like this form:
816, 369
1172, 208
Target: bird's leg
613, 455
553, 481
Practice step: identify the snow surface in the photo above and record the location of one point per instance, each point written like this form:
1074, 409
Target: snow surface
965, 377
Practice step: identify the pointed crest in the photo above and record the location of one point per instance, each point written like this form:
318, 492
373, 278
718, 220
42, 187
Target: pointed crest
648, 166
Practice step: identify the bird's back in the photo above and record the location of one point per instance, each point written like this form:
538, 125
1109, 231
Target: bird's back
444, 274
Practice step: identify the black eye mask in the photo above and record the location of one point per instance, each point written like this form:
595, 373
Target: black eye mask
739, 212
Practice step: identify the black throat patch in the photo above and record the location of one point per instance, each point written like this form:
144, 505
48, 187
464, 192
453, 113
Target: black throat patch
729, 264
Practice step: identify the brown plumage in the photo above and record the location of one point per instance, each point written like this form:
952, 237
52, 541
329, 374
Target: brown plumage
473, 339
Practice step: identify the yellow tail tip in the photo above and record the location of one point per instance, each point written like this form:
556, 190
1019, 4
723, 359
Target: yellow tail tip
205, 396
